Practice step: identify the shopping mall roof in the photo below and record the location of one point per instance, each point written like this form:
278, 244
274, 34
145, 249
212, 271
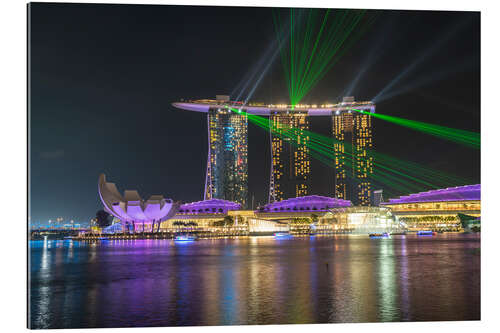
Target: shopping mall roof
310, 203
212, 206
459, 193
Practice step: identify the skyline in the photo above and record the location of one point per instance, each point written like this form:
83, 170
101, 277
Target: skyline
95, 78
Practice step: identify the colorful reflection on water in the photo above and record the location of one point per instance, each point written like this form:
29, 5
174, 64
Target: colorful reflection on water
255, 280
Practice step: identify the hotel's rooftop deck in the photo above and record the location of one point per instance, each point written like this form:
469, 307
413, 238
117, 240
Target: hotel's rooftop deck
262, 109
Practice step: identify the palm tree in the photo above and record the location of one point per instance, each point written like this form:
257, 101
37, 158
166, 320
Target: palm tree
228, 221
218, 223
103, 219
241, 220
191, 224
178, 223
158, 228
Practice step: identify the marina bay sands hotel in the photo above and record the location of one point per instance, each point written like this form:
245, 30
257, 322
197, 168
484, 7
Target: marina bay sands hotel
227, 163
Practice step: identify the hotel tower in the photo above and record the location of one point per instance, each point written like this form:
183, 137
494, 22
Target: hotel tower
353, 141
227, 163
290, 165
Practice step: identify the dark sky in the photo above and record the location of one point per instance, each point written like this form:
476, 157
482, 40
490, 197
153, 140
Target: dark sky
103, 78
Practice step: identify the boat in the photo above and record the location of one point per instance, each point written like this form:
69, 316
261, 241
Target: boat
379, 235
425, 233
282, 235
185, 238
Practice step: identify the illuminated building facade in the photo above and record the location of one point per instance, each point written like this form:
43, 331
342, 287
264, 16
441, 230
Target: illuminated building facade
227, 163
290, 166
208, 216
307, 204
437, 209
353, 140
133, 212
366, 220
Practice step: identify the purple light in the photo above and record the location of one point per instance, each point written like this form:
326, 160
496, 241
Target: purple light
311, 203
459, 193
204, 106
130, 207
212, 206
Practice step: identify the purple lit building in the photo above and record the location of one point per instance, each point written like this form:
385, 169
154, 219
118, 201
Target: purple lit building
310, 203
213, 206
437, 209
135, 213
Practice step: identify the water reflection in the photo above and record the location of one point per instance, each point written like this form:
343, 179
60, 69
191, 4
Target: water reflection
387, 281
404, 277
253, 281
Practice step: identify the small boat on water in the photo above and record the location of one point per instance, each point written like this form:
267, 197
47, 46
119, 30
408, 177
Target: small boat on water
379, 235
425, 233
185, 238
282, 235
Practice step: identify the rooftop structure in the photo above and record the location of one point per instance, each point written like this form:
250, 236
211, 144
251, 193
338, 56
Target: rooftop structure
213, 206
261, 109
437, 209
459, 193
310, 203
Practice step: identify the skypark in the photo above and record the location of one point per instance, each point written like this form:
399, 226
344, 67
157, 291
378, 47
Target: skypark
262, 109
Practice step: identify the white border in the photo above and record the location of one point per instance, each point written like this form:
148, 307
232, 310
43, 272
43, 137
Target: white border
13, 161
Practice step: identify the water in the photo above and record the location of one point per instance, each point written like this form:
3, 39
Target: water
255, 280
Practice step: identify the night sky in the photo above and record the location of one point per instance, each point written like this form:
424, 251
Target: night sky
103, 78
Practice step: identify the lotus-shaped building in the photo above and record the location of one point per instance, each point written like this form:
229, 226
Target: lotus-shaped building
132, 210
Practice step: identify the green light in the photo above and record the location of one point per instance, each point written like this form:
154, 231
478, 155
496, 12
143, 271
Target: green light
311, 51
403, 176
467, 138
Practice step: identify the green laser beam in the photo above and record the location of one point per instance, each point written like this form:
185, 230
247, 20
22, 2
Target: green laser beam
311, 51
317, 148
467, 138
